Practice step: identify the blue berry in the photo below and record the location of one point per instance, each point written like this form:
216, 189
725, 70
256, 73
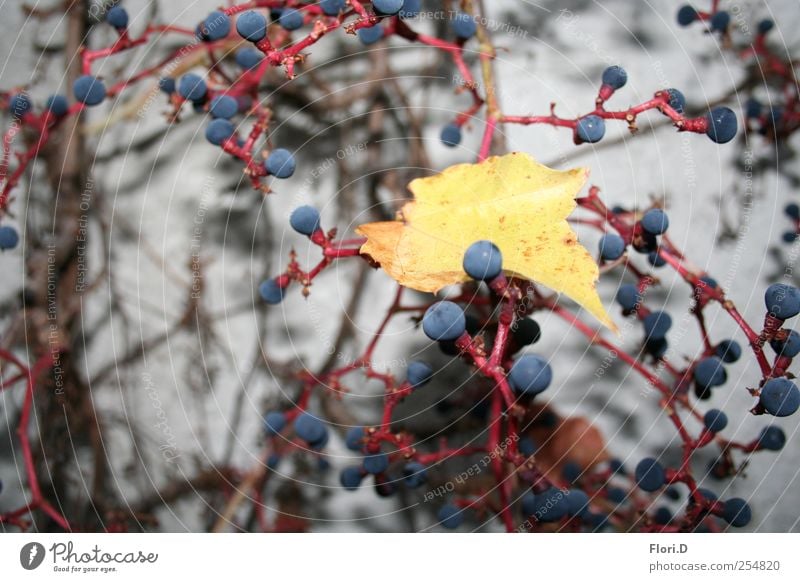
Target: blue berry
792, 210
291, 19
376, 464
280, 163
616, 495
590, 129
19, 105
730, 351
274, 422
9, 238
720, 21
310, 428
782, 301
451, 135
224, 107
686, 15
662, 516
483, 261
628, 296
525, 332
650, 475
57, 105
305, 220
550, 505
444, 321
771, 438
248, 58
251, 26
370, 35
571, 471
577, 503
527, 446
715, 420
166, 85
450, 516
414, 474
656, 260
789, 236
193, 88
789, 347
117, 17
736, 512
332, 7
657, 348
656, 325
418, 373
616, 466
676, 100
464, 26
615, 77
273, 461
271, 292
219, 130
753, 108
216, 26
722, 124
89, 90
410, 8
387, 7
780, 397
765, 26
655, 221
351, 478
709, 372
612, 246
354, 439
530, 374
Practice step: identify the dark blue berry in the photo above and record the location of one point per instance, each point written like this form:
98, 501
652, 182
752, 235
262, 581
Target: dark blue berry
788, 347
370, 35
722, 124
310, 428
274, 422
655, 221
117, 17
410, 8
89, 90
780, 397
271, 292
771, 438
676, 100
9, 238
57, 105
650, 475
612, 246
792, 210
305, 220
656, 325
451, 135
765, 26
577, 503
590, 129
219, 130
216, 26
628, 296
709, 372
376, 464
387, 7
686, 15
530, 375
354, 439
251, 26
464, 26
715, 420
223, 107
615, 77
656, 259
291, 19
280, 163
753, 108
483, 261
414, 474
450, 516
782, 301
193, 88
550, 505
248, 58
332, 7
525, 332
418, 373
444, 320
662, 516
351, 478
736, 512
729, 351
166, 85
720, 21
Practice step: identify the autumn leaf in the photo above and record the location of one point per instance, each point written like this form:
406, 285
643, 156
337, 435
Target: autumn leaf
513, 201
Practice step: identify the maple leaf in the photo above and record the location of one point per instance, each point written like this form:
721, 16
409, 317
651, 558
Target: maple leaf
515, 202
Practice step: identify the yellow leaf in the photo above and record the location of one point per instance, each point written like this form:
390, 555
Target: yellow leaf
513, 201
